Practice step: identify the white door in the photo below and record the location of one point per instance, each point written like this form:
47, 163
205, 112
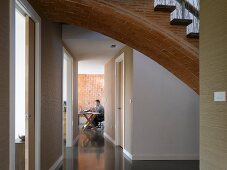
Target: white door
120, 103
68, 98
119, 100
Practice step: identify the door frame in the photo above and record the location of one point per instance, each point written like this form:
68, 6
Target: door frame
117, 61
24, 6
69, 117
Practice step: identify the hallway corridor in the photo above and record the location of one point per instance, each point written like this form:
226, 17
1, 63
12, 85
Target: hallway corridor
94, 152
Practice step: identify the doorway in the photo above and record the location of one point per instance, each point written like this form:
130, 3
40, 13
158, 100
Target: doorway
25, 83
20, 89
119, 100
67, 99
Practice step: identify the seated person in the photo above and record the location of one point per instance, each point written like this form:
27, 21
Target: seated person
100, 109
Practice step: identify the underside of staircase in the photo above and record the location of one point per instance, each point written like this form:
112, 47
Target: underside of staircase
160, 14
137, 24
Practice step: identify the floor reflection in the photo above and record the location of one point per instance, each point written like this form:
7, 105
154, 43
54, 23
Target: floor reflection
93, 152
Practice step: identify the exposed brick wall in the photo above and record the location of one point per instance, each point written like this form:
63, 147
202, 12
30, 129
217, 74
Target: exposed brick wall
144, 8
90, 88
134, 23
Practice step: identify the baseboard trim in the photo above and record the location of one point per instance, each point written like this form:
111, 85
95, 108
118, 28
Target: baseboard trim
57, 163
165, 157
128, 155
109, 138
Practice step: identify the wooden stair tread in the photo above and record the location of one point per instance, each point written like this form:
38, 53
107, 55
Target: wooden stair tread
193, 35
165, 8
178, 21
184, 22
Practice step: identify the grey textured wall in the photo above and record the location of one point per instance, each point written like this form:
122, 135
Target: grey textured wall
213, 77
4, 84
51, 125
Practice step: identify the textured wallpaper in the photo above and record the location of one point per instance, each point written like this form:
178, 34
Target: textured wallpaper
51, 122
4, 84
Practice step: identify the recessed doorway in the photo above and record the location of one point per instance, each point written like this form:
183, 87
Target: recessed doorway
119, 100
24, 91
20, 89
25, 76
67, 99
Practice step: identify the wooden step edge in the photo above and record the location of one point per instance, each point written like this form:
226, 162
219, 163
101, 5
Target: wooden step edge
165, 8
184, 22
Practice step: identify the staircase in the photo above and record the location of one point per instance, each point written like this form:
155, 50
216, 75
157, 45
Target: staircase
182, 13
153, 30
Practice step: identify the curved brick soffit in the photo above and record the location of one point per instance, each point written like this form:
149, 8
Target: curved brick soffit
177, 56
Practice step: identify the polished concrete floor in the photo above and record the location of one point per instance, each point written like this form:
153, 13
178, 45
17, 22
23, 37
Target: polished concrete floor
93, 152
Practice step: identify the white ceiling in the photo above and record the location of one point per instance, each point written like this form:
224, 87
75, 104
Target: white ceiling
92, 49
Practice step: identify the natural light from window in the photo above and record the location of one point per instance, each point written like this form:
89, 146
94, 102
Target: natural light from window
20, 75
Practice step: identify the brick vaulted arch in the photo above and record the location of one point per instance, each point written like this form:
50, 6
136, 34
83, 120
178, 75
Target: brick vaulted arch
105, 16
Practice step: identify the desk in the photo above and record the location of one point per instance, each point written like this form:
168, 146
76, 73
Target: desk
90, 116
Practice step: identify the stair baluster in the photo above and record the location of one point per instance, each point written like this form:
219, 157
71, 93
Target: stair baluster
183, 12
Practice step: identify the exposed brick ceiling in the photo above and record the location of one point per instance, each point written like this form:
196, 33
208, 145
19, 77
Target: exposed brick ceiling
135, 24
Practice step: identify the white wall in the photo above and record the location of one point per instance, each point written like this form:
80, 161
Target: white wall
90, 67
165, 114
64, 78
20, 76
68, 95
